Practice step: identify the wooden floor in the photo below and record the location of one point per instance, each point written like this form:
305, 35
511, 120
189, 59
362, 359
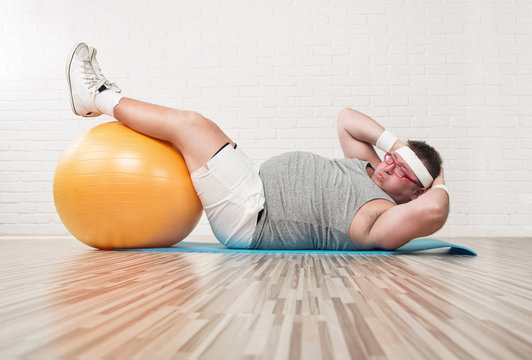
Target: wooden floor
60, 299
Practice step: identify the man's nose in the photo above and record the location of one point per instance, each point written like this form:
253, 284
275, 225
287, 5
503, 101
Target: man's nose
389, 168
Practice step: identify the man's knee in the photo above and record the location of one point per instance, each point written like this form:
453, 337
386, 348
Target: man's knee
191, 124
194, 119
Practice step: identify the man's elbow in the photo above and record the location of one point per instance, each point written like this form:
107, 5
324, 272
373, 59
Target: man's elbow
346, 118
345, 113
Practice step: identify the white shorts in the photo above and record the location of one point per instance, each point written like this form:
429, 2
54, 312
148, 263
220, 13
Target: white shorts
232, 196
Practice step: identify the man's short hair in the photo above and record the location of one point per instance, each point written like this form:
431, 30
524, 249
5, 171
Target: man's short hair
428, 155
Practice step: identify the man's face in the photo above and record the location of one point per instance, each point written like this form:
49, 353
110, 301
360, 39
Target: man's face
399, 188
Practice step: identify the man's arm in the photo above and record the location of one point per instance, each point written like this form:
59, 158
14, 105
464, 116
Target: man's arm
420, 217
357, 133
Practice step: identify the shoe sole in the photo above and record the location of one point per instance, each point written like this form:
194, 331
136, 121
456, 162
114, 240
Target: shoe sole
67, 68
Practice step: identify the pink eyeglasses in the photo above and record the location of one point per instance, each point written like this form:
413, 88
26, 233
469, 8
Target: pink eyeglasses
398, 170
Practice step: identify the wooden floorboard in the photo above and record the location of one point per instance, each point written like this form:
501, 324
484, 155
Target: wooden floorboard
61, 299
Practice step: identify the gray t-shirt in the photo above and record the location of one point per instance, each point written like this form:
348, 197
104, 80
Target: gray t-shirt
311, 201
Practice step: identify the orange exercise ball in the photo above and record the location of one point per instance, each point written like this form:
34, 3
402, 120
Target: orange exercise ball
116, 188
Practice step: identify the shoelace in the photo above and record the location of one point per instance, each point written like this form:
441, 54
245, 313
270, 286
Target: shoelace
98, 72
94, 79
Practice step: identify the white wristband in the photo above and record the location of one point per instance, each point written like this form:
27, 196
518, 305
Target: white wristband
443, 187
386, 141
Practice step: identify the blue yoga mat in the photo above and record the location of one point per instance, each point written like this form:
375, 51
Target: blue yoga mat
411, 247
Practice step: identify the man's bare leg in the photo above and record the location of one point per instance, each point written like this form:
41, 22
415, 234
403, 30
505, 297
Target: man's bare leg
197, 137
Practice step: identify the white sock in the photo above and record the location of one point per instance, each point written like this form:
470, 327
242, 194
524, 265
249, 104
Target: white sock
106, 101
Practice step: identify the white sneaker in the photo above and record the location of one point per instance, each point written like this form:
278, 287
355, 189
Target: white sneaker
85, 81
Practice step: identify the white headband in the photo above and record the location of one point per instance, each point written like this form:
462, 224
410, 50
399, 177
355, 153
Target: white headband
416, 165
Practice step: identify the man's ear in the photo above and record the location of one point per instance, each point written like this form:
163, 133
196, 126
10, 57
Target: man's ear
418, 192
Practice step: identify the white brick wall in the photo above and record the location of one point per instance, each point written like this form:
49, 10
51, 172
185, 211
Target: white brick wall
274, 74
